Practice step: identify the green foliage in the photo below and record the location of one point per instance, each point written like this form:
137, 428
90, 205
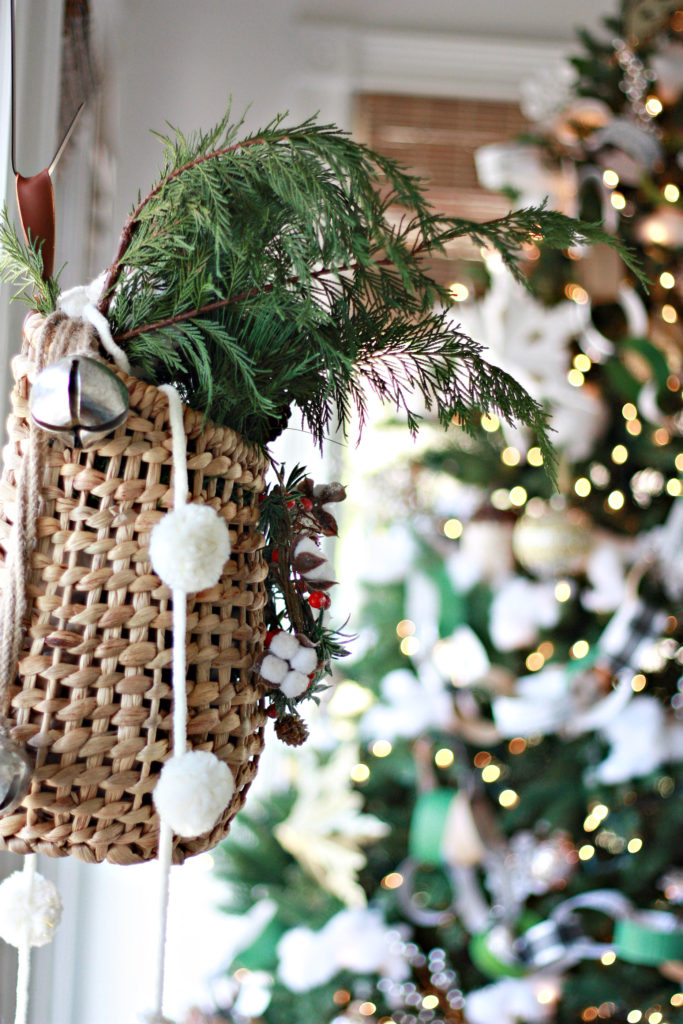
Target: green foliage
272, 271
254, 864
22, 264
287, 606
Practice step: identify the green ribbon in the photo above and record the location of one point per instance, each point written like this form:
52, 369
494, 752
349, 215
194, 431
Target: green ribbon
488, 963
650, 939
428, 826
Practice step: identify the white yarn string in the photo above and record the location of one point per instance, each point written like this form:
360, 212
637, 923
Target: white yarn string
165, 860
81, 301
179, 686
179, 447
101, 325
24, 964
178, 673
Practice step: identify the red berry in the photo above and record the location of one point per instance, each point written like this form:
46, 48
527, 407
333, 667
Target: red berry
319, 599
306, 504
271, 711
290, 504
275, 556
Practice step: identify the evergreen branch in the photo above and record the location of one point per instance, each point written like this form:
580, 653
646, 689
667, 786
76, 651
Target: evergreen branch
114, 271
22, 264
506, 234
270, 272
537, 224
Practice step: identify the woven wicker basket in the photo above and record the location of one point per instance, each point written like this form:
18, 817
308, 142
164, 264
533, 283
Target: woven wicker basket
92, 699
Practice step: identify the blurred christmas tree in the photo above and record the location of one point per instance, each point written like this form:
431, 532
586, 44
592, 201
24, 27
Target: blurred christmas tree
517, 697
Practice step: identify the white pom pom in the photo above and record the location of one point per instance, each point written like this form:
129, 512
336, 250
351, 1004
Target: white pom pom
294, 684
305, 660
273, 669
192, 792
34, 904
284, 645
189, 547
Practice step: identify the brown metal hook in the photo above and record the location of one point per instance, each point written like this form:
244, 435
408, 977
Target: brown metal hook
35, 195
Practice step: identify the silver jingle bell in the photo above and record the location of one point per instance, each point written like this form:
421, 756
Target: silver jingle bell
79, 400
16, 771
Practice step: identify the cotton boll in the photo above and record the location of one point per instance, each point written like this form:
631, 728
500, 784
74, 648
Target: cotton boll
294, 684
306, 545
284, 646
305, 660
192, 792
189, 547
320, 572
273, 669
309, 561
33, 903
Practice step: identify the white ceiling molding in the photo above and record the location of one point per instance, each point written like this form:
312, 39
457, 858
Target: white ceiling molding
421, 63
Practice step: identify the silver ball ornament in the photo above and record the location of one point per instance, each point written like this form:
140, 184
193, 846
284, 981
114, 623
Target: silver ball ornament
79, 400
552, 543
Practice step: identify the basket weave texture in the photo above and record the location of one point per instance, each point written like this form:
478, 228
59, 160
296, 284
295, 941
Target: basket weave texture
92, 698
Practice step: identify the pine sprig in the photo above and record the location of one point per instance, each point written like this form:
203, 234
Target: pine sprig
546, 227
21, 264
270, 272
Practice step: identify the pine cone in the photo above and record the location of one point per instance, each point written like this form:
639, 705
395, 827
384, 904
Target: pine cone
292, 730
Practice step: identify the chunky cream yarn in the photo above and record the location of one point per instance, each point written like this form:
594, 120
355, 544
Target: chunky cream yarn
189, 547
193, 790
30, 907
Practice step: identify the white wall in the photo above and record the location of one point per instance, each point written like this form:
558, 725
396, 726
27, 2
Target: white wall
175, 61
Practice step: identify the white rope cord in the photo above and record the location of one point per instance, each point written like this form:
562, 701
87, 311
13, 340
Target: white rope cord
180, 488
80, 301
179, 448
165, 861
24, 964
